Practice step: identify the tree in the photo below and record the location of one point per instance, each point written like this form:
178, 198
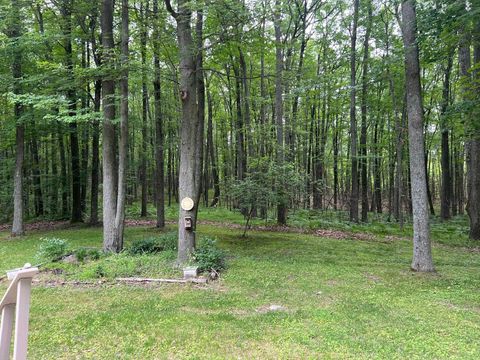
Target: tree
422, 253
191, 130
363, 136
281, 207
159, 135
113, 175
14, 33
473, 135
353, 116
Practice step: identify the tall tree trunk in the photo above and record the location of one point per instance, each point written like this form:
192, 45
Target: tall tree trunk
159, 136
353, 118
63, 172
363, 135
35, 168
113, 176
281, 207
240, 128
191, 131
446, 193
143, 160
14, 34
422, 254
123, 141
95, 156
66, 11
97, 98
335, 165
464, 60
473, 135
200, 82
211, 149
246, 106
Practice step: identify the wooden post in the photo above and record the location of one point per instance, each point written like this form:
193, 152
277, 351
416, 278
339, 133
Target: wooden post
6, 331
21, 319
17, 297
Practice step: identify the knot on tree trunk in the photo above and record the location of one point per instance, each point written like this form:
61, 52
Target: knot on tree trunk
183, 95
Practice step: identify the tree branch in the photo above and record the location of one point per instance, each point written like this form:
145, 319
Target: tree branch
170, 9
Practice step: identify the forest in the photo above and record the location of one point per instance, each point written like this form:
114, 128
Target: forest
123, 120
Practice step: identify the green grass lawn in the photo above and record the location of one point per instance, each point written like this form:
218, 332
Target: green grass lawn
338, 298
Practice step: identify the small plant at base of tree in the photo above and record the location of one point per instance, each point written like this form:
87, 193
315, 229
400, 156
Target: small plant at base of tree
152, 245
84, 253
208, 257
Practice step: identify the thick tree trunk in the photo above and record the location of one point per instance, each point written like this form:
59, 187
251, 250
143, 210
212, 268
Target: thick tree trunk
353, 119
113, 177
422, 254
123, 141
281, 207
191, 131
473, 135
159, 136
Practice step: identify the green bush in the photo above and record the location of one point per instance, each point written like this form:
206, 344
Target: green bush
51, 249
83, 253
208, 256
165, 242
169, 241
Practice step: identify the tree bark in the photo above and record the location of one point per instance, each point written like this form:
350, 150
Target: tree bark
446, 191
143, 160
66, 12
422, 254
363, 135
14, 32
473, 136
281, 207
211, 149
159, 136
353, 119
191, 130
113, 176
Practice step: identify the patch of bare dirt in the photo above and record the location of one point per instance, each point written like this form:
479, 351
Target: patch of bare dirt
271, 308
40, 225
372, 277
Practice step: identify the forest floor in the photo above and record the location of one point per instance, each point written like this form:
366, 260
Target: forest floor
342, 292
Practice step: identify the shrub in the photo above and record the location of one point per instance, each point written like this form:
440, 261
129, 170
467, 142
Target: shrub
145, 246
208, 256
83, 253
154, 244
52, 249
169, 241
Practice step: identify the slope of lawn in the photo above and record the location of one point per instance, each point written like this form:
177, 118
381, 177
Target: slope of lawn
332, 298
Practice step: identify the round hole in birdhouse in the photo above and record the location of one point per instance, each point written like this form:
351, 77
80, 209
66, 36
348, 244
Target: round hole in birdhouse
187, 204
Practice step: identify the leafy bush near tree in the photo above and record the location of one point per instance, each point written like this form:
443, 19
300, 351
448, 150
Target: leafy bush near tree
208, 256
152, 245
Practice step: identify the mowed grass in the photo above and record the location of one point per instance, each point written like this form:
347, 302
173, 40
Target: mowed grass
339, 299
